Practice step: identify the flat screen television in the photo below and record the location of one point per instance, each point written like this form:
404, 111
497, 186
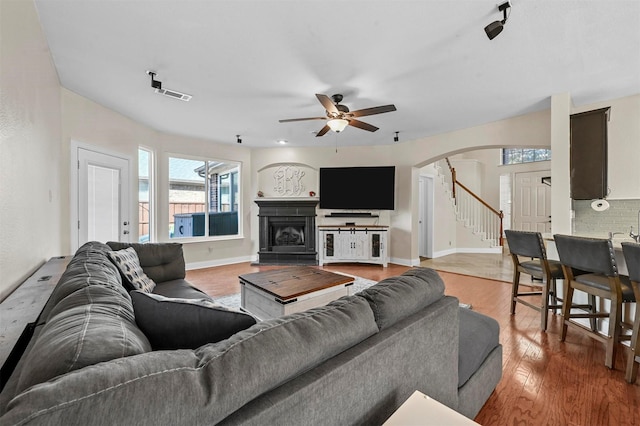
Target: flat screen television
357, 188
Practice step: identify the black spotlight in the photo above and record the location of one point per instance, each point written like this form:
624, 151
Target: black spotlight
154, 83
495, 28
238, 139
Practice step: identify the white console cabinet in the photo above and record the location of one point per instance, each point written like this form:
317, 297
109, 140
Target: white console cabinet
367, 244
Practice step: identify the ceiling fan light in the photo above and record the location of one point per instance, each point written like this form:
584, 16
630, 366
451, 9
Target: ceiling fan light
337, 124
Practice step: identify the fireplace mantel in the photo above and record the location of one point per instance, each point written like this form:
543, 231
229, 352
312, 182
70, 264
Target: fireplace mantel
265, 200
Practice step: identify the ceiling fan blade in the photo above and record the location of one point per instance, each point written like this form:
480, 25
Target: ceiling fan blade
322, 131
301, 119
373, 110
362, 125
327, 103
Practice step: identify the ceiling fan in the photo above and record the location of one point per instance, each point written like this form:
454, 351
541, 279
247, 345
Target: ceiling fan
339, 117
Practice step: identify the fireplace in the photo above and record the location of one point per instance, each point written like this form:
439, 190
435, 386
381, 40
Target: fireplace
287, 232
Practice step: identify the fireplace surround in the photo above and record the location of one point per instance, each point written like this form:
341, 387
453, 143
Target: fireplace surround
287, 231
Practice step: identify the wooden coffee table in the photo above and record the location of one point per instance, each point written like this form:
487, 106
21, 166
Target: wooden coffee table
279, 292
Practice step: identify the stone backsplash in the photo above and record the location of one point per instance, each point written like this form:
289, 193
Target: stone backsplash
621, 215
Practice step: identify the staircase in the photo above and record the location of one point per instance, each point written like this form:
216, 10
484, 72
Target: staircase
483, 220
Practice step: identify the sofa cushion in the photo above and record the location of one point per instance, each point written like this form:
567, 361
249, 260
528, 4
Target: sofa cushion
160, 261
92, 325
202, 386
90, 266
479, 335
186, 323
129, 265
395, 298
179, 289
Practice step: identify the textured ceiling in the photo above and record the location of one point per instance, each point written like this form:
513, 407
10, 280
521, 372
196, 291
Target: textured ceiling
250, 63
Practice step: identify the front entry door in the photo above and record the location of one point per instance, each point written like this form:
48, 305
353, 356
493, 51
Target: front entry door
532, 202
102, 188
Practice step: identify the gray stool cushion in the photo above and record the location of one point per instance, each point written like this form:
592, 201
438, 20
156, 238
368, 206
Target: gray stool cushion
601, 282
535, 268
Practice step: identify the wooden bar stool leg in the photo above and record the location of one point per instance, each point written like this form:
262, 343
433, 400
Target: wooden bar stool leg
615, 318
566, 309
634, 351
545, 304
514, 290
594, 321
554, 296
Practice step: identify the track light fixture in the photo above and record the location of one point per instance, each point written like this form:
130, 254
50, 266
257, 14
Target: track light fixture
154, 83
396, 138
496, 27
238, 139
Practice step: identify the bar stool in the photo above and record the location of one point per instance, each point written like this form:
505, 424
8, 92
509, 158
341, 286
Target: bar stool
631, 253
530, 245
594, 258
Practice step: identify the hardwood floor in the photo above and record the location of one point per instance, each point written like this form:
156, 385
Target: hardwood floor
545, 381
223, 280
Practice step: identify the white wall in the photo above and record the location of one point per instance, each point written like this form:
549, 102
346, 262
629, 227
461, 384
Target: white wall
40, 120
492, 169
327, 156
531, 130
560, 140
444, 226
623, 156
30, 182
470, 172
408, 157
87, 122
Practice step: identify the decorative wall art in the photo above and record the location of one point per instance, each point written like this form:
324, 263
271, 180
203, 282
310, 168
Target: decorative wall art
288, 180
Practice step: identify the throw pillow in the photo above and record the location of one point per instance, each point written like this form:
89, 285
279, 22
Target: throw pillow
129, 265
171, 323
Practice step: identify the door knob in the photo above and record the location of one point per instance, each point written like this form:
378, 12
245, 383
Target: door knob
125, 232
125, 223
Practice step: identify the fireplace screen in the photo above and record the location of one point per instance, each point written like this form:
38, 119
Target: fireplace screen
288, 235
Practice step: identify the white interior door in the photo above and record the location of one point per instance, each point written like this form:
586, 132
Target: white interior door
425, 216
102, 202
532, 202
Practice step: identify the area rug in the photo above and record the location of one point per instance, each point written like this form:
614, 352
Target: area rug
359, 284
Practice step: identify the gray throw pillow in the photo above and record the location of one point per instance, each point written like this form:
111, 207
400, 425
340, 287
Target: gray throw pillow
129, 265
172, 323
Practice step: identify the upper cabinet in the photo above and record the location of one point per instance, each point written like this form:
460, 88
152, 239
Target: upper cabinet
589, 154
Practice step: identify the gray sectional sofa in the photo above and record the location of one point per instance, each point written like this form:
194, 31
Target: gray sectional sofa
353, 361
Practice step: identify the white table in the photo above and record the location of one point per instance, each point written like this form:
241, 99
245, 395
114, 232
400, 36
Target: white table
421, 409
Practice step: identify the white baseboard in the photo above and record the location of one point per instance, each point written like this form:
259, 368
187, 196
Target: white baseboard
467, 250
218, 262
441, 253
480, 250
404, 262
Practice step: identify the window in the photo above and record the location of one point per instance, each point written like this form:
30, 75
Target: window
524, 155
144, 196
203, 197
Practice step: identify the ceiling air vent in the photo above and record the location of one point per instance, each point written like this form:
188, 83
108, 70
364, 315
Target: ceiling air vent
174, 94
157, 84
